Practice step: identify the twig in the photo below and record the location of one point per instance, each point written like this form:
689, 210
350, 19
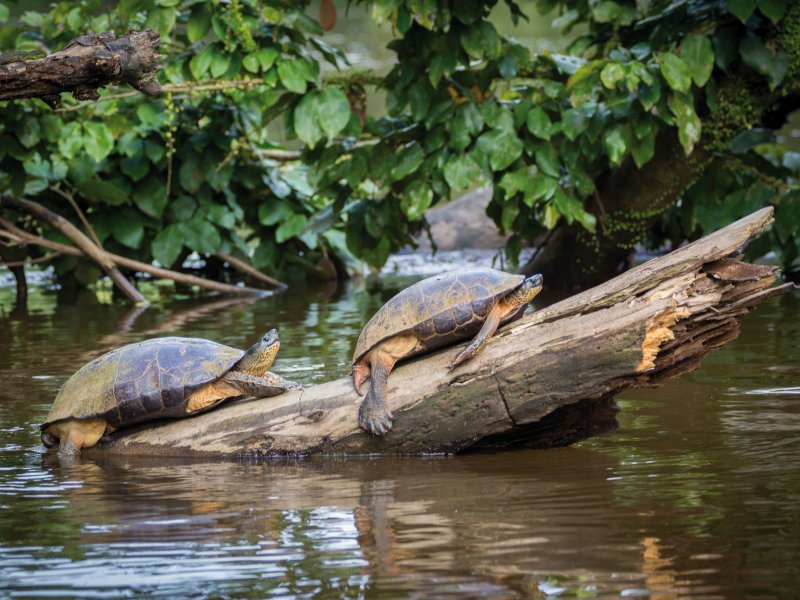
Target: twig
14, 233
32, 261
100, 256
242, 266
71, 199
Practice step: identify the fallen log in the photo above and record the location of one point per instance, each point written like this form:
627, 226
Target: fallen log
86, 63
533, 385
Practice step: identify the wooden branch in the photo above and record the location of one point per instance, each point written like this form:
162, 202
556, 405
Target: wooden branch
530, 386
96, 253
86, 63
9, 231
242, 266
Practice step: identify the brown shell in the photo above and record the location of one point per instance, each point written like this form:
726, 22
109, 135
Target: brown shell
148, 380
439, 309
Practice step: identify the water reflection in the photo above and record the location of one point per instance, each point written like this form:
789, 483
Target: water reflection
694, 496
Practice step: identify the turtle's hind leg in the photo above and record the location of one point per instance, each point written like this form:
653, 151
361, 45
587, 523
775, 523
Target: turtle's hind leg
374, 414
361, 372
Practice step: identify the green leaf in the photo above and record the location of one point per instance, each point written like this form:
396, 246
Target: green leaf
291, 227
162, 21
574, 123
150, 196
461, 171
539, 123
294, 74
250, 62
541, 187
182, 209
155, 151
417, 198
687, 120
70, 139
507, 67
612, 74
267, 57
103, 191
509, 214
742, 9
419, 99
573, 209
220, 61
200, 62
191, 174
167, 245
29, 131
135, 166
3, 13
773, 9
306, 119
97, 140
501, 146
644, 148
199, 22
548, 161
472, 41
333, 111
763, 60
614, 143
409, 161
128, 228
697, 53
200, 235
675, 71
606, 12
274, 211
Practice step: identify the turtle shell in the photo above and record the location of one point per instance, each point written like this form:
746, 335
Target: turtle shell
143, 381
440, 310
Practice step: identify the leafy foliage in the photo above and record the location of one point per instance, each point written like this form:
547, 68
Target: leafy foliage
464, 107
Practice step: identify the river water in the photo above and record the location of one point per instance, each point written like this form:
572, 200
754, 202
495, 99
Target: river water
695, 495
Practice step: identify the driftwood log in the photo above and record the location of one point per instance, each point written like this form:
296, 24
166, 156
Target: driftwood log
537, 383
86, 63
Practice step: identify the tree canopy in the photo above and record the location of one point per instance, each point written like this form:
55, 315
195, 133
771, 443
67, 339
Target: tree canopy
659, 121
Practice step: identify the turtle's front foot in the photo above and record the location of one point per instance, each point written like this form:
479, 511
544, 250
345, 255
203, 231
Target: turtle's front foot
375, 416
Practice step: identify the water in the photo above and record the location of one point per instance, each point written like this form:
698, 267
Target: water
696, 495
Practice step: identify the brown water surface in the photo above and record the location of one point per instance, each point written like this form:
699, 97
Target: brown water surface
696, 495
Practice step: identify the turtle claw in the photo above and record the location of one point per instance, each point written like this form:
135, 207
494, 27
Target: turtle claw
377, 420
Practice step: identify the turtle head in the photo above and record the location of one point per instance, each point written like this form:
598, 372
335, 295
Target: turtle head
260, 356
525, 291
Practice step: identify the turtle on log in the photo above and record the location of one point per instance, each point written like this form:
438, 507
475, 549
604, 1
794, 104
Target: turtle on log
432, 313
157, 378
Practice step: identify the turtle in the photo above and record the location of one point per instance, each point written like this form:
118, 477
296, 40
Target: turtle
435, 312
155, 378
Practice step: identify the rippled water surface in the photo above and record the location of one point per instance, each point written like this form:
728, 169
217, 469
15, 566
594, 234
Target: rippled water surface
696, 495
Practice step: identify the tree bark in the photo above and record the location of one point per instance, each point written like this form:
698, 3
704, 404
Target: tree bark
86, 63
532, 385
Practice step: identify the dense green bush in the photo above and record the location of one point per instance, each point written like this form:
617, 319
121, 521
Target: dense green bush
193, 171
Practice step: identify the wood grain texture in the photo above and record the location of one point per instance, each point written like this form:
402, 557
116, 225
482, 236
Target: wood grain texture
534, 383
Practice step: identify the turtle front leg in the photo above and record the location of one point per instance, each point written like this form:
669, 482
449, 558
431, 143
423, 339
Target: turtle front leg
490, 325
